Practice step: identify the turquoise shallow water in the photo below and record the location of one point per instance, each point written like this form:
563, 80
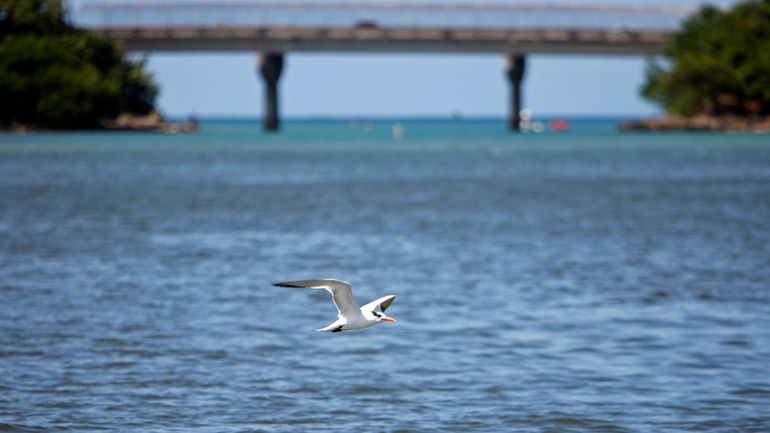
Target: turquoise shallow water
585, 281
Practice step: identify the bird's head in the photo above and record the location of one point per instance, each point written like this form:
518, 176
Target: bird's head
382, 317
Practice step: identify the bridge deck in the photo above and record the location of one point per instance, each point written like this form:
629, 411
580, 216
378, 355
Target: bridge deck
487, 40
419, 27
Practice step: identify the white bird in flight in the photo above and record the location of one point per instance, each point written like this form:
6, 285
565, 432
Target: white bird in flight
350, 316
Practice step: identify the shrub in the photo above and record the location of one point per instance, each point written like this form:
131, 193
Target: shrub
56, 76
718, 63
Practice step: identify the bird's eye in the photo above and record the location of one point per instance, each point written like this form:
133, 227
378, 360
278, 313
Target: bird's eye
376, 314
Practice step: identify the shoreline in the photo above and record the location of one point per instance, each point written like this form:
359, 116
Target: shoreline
698, 124
152, 122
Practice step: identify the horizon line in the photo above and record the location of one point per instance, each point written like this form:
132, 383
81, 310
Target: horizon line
425, 117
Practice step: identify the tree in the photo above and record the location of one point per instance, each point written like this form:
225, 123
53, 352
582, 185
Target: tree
718, 63
56, 76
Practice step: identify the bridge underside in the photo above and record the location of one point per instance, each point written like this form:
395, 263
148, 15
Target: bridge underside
454, 40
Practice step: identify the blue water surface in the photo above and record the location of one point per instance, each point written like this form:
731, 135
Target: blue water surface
583, 281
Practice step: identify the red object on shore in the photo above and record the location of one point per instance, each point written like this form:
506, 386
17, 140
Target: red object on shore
558, 125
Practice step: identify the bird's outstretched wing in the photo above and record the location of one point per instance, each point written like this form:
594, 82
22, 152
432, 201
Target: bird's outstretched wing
383, 303
342, 294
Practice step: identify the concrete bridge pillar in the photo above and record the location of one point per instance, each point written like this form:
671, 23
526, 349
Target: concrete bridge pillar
270, 67
515, 71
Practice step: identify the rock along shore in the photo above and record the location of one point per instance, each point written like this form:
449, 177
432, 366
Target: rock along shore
699, 123
151, 122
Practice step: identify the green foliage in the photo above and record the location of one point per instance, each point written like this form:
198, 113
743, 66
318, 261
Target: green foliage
718, 63
53, 75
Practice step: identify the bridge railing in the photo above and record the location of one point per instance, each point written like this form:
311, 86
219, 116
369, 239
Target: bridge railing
369, 14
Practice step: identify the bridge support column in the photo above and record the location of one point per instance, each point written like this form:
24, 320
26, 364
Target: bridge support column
270, 67
515, 72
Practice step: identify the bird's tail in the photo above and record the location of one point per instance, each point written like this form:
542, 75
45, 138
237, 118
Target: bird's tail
334, 327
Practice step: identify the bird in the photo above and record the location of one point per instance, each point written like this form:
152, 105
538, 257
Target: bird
350, 316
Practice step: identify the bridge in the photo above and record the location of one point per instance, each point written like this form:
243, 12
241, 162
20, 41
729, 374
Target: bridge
274, 28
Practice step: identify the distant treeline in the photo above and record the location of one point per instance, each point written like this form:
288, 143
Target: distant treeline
717, 64
53, 75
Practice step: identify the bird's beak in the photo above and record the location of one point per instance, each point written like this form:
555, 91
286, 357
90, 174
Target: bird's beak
388, 319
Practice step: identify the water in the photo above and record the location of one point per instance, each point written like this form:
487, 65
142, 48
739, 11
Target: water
588, 281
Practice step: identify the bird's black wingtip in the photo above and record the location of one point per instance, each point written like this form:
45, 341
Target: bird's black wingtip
285, 285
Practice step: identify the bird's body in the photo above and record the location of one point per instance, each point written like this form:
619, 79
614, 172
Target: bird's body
350, 316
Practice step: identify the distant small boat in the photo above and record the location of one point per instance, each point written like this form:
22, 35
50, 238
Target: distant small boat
558, 125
